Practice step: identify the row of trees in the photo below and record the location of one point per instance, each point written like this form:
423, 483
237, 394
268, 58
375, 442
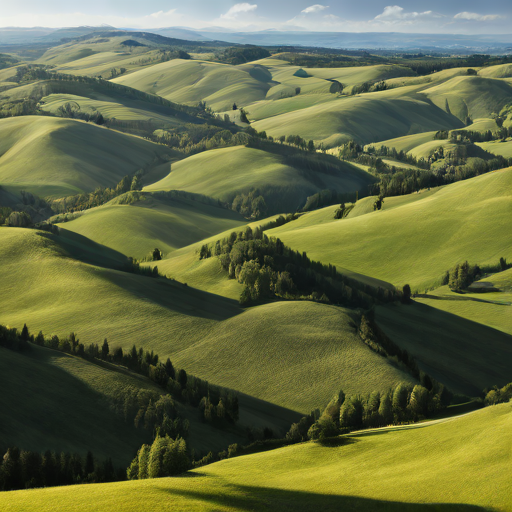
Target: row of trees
181, 386
404, 403
23, 469
269, 269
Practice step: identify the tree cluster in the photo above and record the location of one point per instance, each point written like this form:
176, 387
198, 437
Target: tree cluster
165, 457
23, 469
268, 269
462, 275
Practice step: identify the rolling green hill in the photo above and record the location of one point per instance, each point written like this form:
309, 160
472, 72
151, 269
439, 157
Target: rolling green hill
293, 354
472, 96
58, 157
400, 112
436, 334
285, 181
155, 220
417, 242
456, 465
62, 403
191, 81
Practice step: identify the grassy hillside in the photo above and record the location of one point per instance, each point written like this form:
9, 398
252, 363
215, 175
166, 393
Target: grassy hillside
455, 465
125, 111
284, 181
472, 96
436, 335
191, 81
417, 242
498, 148
60, 402
296, 355
153, 221
57, 157
400, 112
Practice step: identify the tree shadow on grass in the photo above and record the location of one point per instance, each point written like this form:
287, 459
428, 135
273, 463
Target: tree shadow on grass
250, 498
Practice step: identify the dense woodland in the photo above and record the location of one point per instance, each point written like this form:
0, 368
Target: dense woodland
268, 269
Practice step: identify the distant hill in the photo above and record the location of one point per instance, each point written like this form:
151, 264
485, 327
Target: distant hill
57, 157
284, 180
418, 242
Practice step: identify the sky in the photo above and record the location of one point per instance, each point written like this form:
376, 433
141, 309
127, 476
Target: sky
413, 16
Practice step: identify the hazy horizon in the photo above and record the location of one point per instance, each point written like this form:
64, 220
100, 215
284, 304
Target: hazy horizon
433, 17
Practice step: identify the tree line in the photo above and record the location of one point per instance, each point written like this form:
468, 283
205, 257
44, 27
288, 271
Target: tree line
183, 387
25, 469
268, 269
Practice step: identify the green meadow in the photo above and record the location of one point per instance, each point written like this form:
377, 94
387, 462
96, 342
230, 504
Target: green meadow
271, 321
460, 464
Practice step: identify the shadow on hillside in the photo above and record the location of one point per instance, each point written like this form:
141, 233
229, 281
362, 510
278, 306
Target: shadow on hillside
465, 356
249, 498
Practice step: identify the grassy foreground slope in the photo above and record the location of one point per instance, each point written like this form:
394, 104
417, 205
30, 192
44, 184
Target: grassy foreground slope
293, 354
456, 465
417, 242
57, 157
153, 221
285, 182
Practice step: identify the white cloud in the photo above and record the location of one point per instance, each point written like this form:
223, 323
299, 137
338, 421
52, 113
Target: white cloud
314, 8
473, 16
395, 13
239, 9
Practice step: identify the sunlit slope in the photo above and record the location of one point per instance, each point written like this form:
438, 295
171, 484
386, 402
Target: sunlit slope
459, 465
191, 81
408, 142
399, 112
499, 71
417, 242
491, 308
58, 157
498, 148
221, 173
58, 294
293, 354
121, 111
97, 56
153, 221
464, 354
472, 96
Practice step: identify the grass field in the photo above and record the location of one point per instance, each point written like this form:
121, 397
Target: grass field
469, 95
455, 465
191, 81
399, 113
48, 156
126, 111
59, 402
416, 242
466, 355
498, 148
155, 221
221, 173
68, 406
295, 355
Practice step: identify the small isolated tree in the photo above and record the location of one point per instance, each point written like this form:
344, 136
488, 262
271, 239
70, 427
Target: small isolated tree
104, 350
406, 294
157, 255
235, 107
